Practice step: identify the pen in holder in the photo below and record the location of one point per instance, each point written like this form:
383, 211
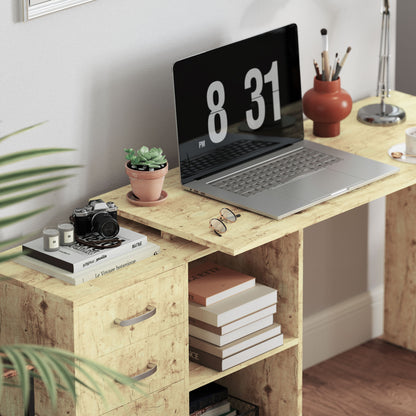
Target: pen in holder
326, 104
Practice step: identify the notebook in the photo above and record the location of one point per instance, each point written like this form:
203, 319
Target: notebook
240, 130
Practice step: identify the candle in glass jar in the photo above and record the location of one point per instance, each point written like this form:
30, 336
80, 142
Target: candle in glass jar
66, 234
50, 239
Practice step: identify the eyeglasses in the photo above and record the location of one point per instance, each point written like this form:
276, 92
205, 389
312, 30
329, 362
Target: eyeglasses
218, 224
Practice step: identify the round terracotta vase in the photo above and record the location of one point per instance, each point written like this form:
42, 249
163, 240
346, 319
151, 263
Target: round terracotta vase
146, 185
326, 104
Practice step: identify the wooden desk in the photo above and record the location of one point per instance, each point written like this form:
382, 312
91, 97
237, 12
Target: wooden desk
186, 214
269, 250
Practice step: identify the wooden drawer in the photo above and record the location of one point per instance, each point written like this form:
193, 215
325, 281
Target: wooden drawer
98, 335
170, 401
11, 402
166, 350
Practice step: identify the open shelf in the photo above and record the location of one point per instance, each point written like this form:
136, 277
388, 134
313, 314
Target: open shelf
200, 375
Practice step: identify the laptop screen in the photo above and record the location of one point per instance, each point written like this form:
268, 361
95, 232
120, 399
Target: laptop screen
238, 102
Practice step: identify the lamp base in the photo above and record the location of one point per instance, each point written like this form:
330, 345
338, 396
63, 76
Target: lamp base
381, 114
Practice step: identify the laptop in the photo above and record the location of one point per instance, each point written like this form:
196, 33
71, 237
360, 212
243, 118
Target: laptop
240, 130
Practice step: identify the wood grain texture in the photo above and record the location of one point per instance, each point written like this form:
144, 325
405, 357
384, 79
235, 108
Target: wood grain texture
400, 269
275, 383
37, 308
31, 315
174, 252
376, 378
98, 334
193, 212
275, 380
14, 403
166, 349
170, 401
200, 375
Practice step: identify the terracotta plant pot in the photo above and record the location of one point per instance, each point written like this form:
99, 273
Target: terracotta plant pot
326, 104
147, 185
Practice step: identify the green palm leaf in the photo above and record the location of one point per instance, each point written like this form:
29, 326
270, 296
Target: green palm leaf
20, 131
25, 173
31, 184
26, 154
67, 377
1, 372
8, 257
9, 242
93, 385
23, 197
55, 368
18, 362
45, 372
19, 217
53, 365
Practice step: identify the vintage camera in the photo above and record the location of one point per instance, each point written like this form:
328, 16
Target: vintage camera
97, 217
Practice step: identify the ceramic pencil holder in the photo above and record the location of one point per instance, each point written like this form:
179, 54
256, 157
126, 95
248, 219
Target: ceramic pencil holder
326, 104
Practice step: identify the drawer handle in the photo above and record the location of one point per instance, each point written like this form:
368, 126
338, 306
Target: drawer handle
152, 368
148, 313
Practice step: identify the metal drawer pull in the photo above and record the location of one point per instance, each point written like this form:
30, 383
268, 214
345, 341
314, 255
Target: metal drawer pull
152, 368
149, 312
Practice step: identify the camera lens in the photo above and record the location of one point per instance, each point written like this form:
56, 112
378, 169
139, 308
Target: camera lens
104, 224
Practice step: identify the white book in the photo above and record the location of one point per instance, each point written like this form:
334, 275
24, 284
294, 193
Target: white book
221, 340
202, 329
237, 345
234, 307
78, 257
222, 364
99, 270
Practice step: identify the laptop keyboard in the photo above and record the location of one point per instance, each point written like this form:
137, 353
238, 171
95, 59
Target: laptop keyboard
220, 156
276, 172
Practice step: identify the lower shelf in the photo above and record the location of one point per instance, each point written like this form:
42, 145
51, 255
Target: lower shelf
200, 375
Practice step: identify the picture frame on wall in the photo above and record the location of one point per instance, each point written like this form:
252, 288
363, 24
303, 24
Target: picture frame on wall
36, 8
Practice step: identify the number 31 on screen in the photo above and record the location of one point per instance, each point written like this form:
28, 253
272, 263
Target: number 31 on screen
254, 81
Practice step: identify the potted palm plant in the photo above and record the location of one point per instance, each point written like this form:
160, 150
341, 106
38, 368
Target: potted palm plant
52, 366
146, 169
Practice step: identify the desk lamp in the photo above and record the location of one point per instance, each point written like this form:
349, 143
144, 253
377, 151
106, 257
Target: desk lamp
382, 114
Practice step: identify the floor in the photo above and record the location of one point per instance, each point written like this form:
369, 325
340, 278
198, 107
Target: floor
373, 379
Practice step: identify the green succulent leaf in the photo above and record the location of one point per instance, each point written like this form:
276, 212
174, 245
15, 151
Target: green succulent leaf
153, 158
144, 150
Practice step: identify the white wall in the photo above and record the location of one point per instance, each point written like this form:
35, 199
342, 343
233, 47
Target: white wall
100, 74
406, 58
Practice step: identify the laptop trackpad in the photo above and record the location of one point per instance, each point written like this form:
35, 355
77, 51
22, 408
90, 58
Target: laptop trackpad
320, 185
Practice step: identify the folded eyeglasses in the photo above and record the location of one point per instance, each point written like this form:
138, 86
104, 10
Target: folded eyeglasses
218, 224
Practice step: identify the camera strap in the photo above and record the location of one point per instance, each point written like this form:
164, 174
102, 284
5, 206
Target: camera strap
96, 240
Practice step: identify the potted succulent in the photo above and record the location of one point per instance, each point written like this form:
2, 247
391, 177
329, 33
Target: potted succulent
146, 169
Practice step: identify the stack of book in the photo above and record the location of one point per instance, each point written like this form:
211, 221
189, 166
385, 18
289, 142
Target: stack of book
210, 400
78, 263
230, 317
